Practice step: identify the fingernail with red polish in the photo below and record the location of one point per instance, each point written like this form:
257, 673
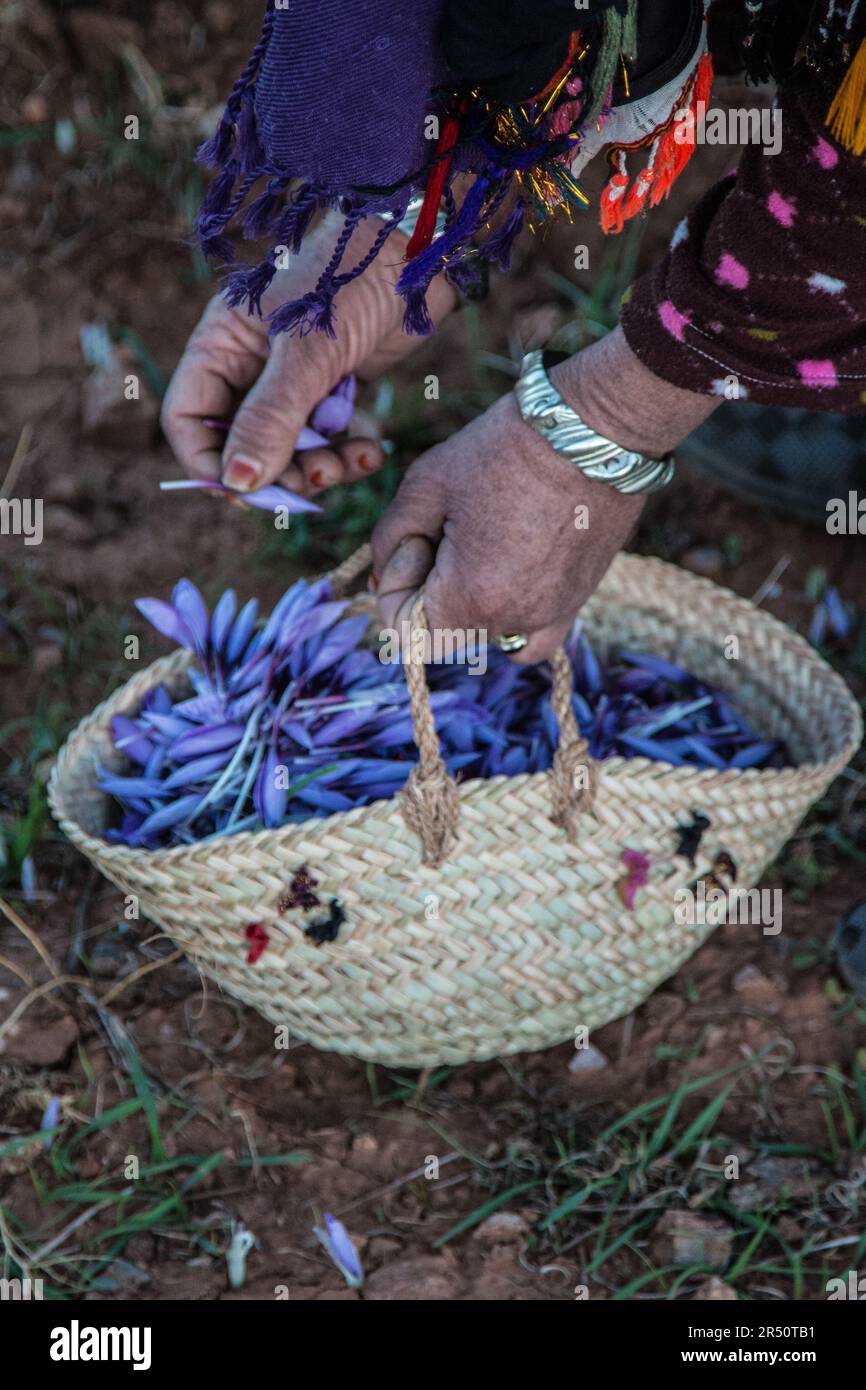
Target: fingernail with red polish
367, 463
317, 478
243, 473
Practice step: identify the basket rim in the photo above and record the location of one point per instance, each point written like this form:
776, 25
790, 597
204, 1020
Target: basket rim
610, 770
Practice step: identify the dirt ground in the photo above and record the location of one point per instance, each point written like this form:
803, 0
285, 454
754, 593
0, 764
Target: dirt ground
158, 1066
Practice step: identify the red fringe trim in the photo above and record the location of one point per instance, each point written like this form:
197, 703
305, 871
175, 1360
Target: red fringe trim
674, 155
619, 202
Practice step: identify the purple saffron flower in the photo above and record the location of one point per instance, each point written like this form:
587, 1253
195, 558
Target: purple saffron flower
271, 794
301, 693
242, 630
310, 439
129, 738
837, 612
166, 620
338, 1246
50, 1119
211, 738
222, 619
188, 602
334, 413
267, 499
28, 878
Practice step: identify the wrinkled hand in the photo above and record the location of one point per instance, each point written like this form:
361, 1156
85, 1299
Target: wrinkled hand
275, 383
488, 523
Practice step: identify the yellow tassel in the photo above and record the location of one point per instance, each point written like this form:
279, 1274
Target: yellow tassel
847, 116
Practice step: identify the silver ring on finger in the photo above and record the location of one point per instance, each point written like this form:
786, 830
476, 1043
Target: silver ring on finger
512, 642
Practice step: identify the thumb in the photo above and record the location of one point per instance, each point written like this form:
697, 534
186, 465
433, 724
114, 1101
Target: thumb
261, 441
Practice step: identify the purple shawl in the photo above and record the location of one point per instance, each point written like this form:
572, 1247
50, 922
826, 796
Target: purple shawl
331, 111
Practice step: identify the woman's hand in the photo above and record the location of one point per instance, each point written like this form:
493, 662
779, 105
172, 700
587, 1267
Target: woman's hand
492, 523
505, 535
275, 383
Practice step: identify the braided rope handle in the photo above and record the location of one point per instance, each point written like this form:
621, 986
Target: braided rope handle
430, 799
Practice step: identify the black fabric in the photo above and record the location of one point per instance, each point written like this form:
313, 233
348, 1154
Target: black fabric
668, 34
510, 49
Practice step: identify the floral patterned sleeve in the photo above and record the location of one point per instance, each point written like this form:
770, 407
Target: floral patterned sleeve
762, 293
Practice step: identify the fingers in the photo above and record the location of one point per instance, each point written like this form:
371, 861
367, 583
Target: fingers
261, 440
197, 391
313, 470
222, 359
402, 577
466, 598
417, 510
361, 458
542, 644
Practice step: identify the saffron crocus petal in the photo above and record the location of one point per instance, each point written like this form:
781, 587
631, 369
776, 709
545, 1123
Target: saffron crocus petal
347, 387
155, 763
704, 753
754, 754
198, 770
166, 620
270, 497
212, 738
222, 619
50, 1121
242, 630
837, 613
650, 725
271, 793
266, 498
294, 630
340, 640
332, 415
145, 787
203, 709
818, 625
129, 738
339, 1247
657, 667
158, 700
28, 878
322, 798
294, 599
310, 439
191, 606
649, 748
169, 816
377, 770
168, 725
298, 732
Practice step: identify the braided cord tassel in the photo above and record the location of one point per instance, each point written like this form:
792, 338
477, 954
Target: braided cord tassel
619, 39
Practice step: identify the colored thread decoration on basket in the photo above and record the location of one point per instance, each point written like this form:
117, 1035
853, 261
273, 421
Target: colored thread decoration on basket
636, 876
327, 928
690, 836
258, 938
301, 891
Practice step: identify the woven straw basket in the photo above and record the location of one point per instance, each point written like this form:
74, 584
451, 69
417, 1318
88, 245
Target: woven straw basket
486, 920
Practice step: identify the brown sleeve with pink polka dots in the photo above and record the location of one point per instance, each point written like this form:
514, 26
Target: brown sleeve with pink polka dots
762, 294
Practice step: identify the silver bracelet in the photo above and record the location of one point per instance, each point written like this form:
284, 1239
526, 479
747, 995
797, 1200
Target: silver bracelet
543, 408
